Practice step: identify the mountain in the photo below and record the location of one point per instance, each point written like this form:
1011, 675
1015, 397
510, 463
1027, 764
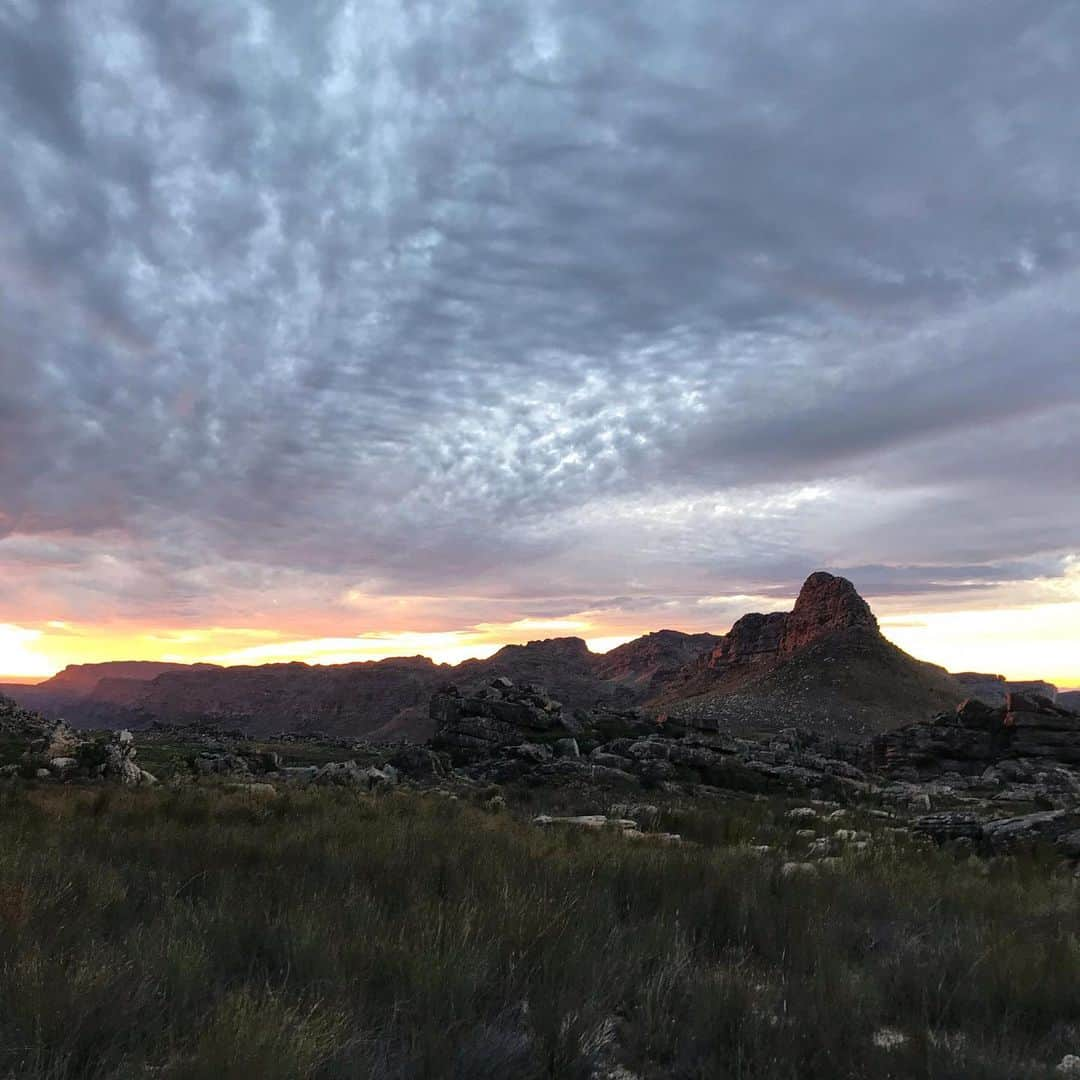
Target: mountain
644, 665
339, 700
1069, 699
79, 679
90, 691
824, 666
379, 700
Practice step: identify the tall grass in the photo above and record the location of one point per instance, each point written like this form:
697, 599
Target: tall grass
201, 934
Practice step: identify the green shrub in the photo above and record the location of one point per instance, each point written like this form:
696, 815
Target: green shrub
193, 933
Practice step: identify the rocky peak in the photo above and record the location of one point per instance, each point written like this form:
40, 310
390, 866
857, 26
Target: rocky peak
826, 605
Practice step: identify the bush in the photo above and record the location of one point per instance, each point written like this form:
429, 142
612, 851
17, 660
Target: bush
198, 934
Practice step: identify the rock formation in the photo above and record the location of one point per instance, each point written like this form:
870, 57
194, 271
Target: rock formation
824, 666
975, 736
505, 733
993, 689
494, 717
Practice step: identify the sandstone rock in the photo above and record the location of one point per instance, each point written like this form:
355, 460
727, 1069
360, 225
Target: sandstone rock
567, 748
255, 790
753, 638
1030, 828
533, 752
1011, 742
643, 813
582, 821
419, 761
475, 726
611, 761
211, 764
889, 1039
950, 826
340, 774
350, 774
826, 603
119, 762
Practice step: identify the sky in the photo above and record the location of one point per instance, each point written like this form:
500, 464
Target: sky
340, 330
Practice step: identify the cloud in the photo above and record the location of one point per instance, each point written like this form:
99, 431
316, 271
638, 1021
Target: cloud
489, 314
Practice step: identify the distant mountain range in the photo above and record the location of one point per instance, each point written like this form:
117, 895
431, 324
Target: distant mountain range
825, 666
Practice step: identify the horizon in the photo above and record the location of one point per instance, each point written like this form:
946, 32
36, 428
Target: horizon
455, 649
548, 321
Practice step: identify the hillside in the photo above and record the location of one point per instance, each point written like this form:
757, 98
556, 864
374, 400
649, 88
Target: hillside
824, 666
645, 664
384, 699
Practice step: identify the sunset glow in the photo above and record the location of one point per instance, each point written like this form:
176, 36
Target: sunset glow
1022, 643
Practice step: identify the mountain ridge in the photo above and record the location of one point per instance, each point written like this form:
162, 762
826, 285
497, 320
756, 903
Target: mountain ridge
824, 665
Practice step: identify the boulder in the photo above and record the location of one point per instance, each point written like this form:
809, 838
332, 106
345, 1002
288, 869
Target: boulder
350, 774
949, 826
215, 764
119, 762
1006, 833
419, 761
566, 748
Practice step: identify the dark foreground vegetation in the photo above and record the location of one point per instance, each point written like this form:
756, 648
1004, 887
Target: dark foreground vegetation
198, 933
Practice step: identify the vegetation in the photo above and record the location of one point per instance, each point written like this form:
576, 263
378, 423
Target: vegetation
202, 933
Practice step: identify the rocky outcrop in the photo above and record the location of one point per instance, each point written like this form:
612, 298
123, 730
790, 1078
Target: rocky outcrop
353, 775
754, 638
114, 760
976, 736
506, 733
1000, 835
994, 689
499, 715
824, 666
827, 605
17, 723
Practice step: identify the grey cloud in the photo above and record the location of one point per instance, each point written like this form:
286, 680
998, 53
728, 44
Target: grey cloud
363, 293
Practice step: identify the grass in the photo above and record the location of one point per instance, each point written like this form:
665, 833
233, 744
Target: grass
165, 756
200, 934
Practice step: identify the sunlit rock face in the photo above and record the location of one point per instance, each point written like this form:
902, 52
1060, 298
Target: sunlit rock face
827, 605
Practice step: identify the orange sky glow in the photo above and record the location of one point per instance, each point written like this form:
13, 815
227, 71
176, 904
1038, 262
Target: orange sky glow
1033, 641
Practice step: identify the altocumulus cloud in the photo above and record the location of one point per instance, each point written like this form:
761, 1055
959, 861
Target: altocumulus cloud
535, 308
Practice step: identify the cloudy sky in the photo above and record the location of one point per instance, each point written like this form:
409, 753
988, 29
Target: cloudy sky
346, 329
